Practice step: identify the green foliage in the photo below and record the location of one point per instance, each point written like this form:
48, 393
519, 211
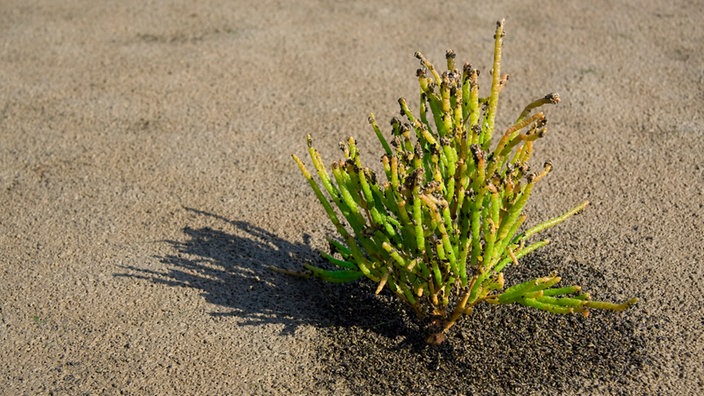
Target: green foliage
442, 228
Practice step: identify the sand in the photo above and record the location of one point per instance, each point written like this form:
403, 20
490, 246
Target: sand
146, 183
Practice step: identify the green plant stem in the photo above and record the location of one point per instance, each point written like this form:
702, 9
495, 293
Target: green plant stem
495, 87
554, 221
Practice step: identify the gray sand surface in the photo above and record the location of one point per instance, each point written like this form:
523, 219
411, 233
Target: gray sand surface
146, 182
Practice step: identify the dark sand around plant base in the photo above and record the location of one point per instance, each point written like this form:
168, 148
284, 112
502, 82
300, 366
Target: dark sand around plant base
146, 183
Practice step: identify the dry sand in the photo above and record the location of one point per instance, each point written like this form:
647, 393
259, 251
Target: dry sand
146, 181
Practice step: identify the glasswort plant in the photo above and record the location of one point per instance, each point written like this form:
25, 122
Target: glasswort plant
448, 220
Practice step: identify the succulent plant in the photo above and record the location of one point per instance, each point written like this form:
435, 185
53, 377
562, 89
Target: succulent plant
448, 220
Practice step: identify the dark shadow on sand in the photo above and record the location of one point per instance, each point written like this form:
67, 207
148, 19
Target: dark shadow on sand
232, 271
497, 350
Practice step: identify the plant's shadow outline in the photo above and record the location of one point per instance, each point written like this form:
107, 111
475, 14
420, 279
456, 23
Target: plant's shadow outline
232, 272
